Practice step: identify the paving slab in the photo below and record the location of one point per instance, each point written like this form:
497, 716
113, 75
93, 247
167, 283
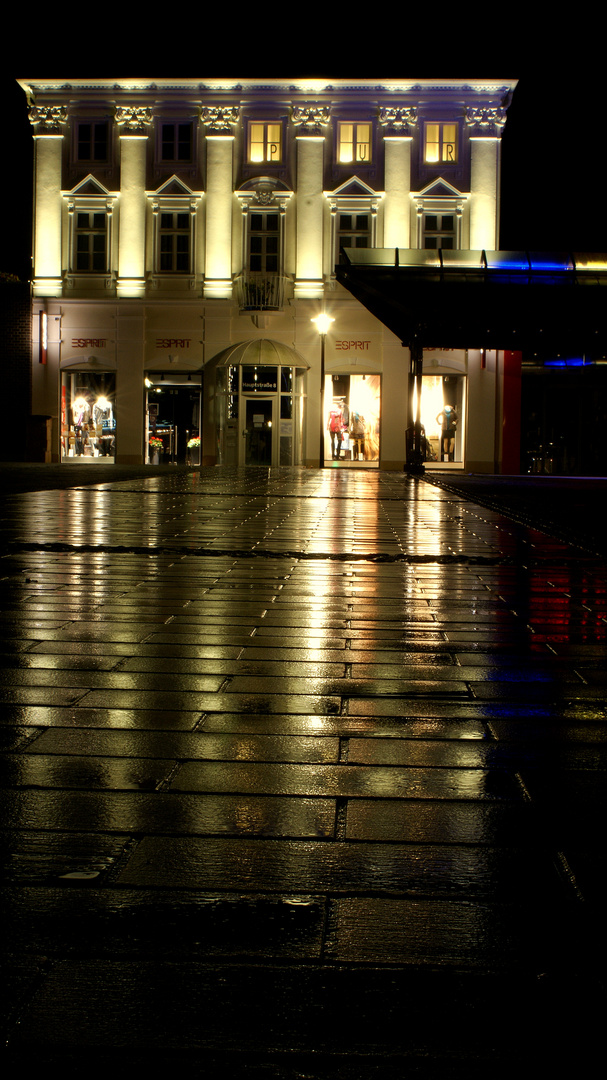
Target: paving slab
302, 773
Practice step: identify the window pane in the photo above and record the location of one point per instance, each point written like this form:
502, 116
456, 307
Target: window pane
449, 143
257, 142
363, 142
432, 142
346, 142
274, 142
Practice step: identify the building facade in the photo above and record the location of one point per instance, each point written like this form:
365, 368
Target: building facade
186, 235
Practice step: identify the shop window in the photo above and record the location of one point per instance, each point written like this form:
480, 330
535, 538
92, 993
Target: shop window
88, 424
440, 143
351, 422
90, 241
92, 142
442, 417
439, 231
176, 142
174, 228
265, 142
354, 143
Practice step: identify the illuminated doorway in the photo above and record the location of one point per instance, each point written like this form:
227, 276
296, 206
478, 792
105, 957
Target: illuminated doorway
258, 431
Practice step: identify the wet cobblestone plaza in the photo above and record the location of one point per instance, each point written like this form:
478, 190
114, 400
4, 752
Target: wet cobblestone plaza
303, 776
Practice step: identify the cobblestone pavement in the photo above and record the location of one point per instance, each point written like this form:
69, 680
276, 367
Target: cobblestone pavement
303, 776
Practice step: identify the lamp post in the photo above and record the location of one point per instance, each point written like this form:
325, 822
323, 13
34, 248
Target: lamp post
322, 323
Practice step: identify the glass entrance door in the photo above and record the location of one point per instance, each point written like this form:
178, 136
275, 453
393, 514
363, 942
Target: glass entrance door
258, 431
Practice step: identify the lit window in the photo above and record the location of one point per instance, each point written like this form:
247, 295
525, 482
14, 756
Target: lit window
353, 230
92, 142
90, 242
439, 231
354, 143
264, 242
265, 142
174, 242
176, 142
441, 143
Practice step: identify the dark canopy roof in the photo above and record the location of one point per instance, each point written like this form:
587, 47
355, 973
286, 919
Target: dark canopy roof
542, 304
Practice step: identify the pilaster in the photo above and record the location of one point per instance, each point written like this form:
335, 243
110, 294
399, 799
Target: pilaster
131, 232
48, 124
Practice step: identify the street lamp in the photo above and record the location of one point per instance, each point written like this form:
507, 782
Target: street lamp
322, 323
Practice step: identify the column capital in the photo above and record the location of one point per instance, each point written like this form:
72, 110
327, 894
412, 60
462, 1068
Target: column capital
485, 123
398, 120
220, 119
309, 119
133, 119
49, 118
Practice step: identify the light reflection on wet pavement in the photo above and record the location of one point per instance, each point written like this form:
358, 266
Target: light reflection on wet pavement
284, 750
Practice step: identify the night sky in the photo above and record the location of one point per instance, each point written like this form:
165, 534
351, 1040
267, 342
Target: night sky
552, 155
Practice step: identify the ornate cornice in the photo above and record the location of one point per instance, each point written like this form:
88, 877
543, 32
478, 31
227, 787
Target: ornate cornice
310, 118
398, 121
50, 117
264, 191
219, 118
133, 117
487, 122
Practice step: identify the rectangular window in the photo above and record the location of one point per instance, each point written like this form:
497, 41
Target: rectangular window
439, 231
354, 230
441, 143
176, 142
90, 242
354, 143
174, 242
264, 243
265, 142
92, 142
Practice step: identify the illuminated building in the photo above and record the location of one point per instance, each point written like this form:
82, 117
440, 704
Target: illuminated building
186, 234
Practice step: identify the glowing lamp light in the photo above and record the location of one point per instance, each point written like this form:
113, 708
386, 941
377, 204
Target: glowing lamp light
323, 322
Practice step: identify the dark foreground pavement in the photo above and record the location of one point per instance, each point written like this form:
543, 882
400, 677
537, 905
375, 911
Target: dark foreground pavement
304, 777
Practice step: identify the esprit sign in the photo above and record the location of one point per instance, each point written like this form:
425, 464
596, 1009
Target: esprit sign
89, 342
353, 346
173, 342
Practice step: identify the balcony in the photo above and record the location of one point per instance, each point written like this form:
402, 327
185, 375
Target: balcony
260, 291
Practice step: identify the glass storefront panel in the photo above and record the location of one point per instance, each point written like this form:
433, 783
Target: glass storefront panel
88, 424
351, 422
173, 409
442, 415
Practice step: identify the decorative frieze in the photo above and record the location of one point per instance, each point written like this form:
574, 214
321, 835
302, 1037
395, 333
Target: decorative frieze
49, 117
487, 122
398, 120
